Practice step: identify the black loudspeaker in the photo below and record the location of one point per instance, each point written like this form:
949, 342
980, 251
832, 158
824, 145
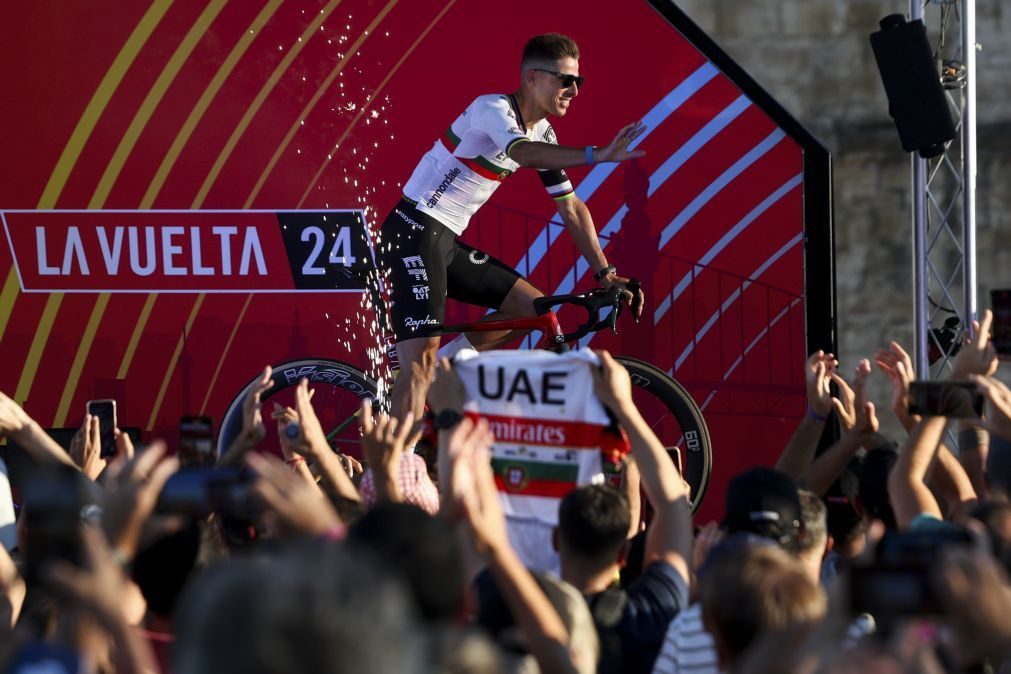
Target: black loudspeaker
915, 98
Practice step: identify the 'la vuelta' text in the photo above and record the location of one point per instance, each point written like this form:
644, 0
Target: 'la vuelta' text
172, 251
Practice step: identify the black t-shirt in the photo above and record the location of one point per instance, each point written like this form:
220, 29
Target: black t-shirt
632, 624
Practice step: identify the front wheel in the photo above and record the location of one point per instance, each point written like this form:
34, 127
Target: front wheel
340, 389
673, 415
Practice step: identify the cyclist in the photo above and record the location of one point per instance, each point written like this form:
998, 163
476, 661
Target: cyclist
492, 138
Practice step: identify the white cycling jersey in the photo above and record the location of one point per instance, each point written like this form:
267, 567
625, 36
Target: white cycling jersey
465, 166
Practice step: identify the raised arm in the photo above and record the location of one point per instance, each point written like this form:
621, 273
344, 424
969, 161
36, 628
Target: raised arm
579, 223
859, 421
22, 429
799, 452
473, 487
539, 155
669, 537
907, 486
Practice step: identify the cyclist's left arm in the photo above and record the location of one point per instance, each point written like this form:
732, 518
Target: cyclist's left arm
578, 221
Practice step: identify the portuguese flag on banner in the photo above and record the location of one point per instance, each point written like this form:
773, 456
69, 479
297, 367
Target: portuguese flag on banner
551, 432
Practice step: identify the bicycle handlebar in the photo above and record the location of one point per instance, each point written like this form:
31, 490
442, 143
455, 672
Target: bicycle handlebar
592, 301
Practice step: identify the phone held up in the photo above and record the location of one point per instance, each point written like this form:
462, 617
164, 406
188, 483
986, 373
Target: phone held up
105, 410
956, 399
196, 441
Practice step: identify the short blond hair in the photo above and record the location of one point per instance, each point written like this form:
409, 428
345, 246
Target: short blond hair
756, 590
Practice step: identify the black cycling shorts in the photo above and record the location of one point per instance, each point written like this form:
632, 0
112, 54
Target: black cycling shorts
426, 263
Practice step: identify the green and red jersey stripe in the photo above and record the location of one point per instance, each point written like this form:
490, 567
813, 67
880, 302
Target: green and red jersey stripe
534, 478
478, 165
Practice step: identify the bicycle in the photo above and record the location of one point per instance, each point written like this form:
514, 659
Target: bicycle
665, 404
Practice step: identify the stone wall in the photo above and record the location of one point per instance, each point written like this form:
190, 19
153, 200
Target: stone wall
815, 58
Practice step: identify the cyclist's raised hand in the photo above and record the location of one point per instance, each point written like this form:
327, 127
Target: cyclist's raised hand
618, 149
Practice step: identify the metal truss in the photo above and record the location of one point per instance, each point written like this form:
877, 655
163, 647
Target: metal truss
944, 197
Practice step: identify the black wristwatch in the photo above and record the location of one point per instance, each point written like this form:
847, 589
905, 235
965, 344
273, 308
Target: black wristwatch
446, 419
609, 269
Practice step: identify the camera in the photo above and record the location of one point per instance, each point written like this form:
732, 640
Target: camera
898, 584
198, 492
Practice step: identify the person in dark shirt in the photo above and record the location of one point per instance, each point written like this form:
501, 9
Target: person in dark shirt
591, 538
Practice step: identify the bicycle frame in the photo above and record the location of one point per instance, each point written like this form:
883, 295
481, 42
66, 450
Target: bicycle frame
552, 337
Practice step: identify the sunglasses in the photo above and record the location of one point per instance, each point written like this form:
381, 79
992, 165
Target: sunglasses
567, 80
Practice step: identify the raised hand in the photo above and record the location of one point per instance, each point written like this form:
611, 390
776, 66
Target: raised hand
132, 496
383, 438
851, 405
896, 364
612, 383
13, 419
618, 149
473, 485
978, 355
294, 503
446, 391
818, 375
253, 430
383, 443
86, 448
998, 418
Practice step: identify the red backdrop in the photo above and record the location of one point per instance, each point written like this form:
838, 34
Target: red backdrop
307, 104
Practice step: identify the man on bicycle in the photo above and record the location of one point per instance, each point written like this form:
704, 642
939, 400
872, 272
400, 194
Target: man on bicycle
492, 138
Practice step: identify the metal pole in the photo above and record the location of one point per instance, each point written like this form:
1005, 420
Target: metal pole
969, 160
921, 320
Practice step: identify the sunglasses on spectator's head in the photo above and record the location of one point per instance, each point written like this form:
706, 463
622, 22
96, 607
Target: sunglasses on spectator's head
567, 80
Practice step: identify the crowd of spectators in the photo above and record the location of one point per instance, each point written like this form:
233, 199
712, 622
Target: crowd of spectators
873, 554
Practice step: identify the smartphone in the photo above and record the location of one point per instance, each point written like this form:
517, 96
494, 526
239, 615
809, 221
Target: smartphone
956, 399
196, 441
105, 410
198, 492
1000, 303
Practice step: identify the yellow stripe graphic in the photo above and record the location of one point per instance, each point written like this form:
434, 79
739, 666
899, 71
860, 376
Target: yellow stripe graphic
7, 297
226, 152
172, 363
374, 97
254, 107
287, 139
99, 100
183, 137
151, 101
68, 159
307, 110
180, 141
138, 330
35, 352
228, 347
83, 350
112, 171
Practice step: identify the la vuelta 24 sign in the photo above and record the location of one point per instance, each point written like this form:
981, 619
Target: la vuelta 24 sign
189, 251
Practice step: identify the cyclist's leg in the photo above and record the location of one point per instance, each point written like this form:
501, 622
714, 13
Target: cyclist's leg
409, 393
415, 253
477, 278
